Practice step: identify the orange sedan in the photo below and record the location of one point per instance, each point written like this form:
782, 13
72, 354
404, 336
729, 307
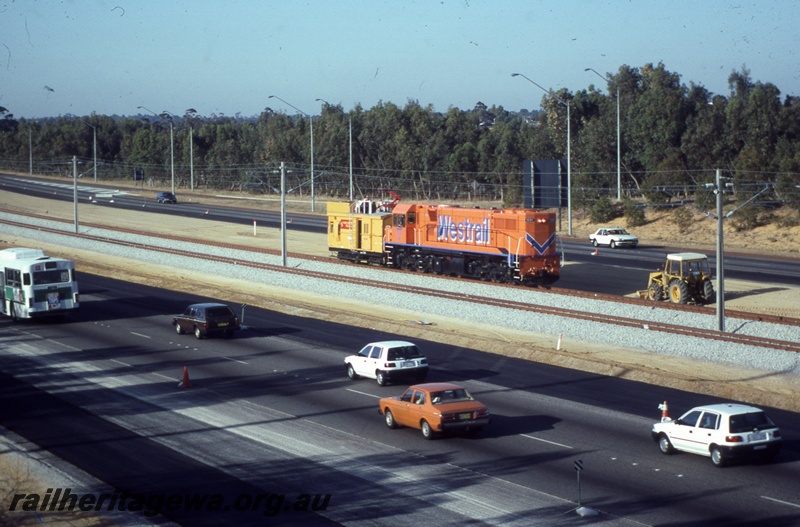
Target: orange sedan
434, 408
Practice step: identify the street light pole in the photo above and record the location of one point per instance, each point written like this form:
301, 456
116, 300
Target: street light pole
191, 158
191, 112
619, 142
350, 137
350, 133
569, 157
172, 154
171, 142
94, 133
311, 126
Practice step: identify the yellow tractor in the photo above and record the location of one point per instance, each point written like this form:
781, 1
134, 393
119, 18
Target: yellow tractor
685, 278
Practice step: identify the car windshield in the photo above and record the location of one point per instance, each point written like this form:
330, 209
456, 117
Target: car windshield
617, 231
218, 312
750, 421
450, 396
404, 353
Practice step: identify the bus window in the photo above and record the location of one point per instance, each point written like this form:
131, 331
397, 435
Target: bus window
13, 277
26, 278
51, 277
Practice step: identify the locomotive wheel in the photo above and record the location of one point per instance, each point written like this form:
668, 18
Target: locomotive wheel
427, 264
438, 265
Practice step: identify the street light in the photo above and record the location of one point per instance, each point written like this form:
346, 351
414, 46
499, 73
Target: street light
311, 121
191, 112
569, 161
171, 141
94, 133
619, 168
350, 128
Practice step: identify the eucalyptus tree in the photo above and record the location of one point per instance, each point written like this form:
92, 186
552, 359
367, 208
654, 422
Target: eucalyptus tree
657, 121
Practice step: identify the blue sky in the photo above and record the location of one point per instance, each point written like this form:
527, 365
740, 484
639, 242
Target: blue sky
109, 57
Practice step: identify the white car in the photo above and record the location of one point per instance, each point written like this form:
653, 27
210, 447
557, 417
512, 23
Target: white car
723, 432
388, 361
613, 237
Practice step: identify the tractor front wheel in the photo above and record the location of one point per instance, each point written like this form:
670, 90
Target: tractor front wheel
654, 292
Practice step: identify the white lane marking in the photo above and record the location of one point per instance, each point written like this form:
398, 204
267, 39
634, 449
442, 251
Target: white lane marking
363, 393
140, 335
546, 441
120, 362
234, 360
789, 503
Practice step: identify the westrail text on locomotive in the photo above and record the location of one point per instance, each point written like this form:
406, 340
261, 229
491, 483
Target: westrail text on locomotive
464, 231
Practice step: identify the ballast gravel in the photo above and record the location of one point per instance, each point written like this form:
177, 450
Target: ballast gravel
498, 317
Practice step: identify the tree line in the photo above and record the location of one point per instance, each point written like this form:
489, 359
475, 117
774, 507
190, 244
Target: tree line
672, 138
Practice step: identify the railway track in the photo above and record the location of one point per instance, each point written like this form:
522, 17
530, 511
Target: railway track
447, 295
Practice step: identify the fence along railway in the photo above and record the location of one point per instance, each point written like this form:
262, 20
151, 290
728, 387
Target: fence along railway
439, 294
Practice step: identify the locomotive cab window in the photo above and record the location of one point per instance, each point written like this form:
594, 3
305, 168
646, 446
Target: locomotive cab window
399, 220
412, 218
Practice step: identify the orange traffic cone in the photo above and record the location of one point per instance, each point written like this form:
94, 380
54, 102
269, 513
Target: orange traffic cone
206, 211
596, 251
185, 383
664, 414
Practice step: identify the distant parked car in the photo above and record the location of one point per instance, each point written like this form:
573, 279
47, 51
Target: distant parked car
166, 197
388, 361
434, 408
207, 319
723, 432
613, 237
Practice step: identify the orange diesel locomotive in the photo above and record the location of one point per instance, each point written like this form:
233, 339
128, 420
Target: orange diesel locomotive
500, 245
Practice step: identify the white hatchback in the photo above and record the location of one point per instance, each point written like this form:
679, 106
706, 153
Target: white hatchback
388, 361
723, 432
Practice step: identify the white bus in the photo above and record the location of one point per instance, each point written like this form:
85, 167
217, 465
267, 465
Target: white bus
36, 285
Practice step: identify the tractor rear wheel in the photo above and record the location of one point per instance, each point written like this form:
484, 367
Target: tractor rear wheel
709, 295
678, 291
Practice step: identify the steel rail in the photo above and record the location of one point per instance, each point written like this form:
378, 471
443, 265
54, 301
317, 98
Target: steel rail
434, 293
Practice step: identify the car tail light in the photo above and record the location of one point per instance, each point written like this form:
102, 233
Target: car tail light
734, 439
424, 361
483, 412
389, 365
776, 434
448, 417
